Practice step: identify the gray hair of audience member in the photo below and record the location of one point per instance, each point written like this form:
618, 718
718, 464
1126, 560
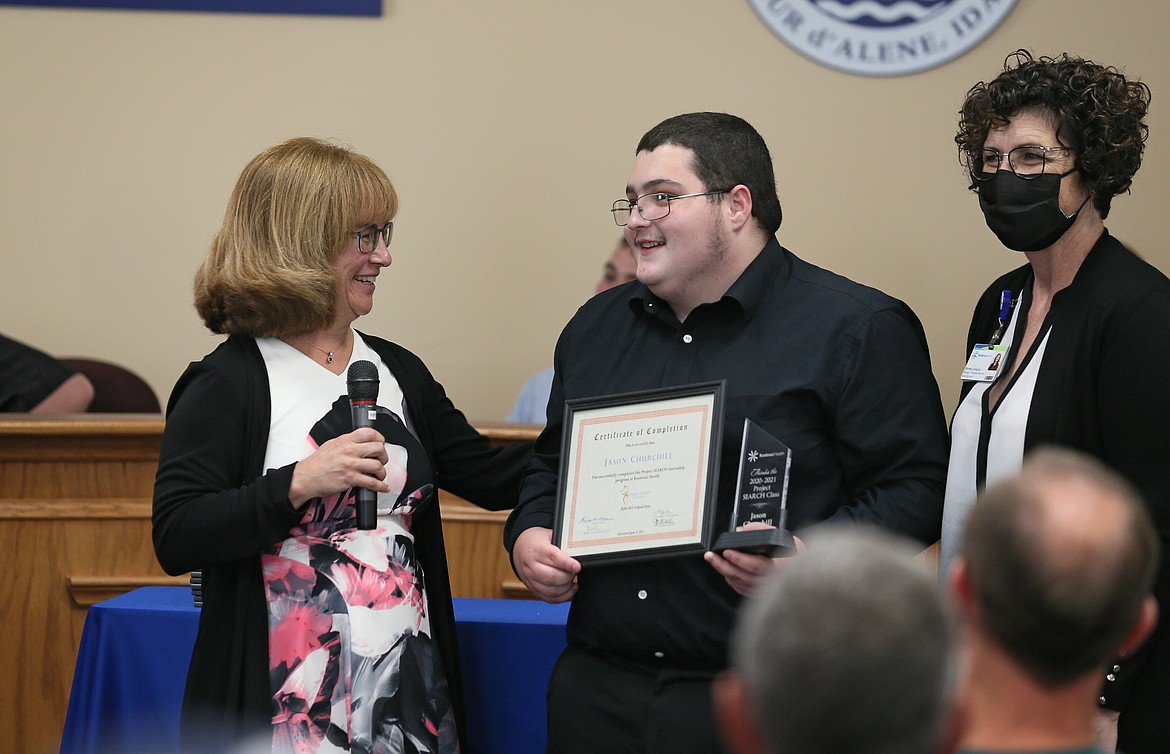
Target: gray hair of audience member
849, 648
1059, 599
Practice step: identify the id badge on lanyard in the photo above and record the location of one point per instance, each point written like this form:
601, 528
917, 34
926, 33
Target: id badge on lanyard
986, 359
984, 362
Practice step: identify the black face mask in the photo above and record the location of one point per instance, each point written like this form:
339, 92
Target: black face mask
1025, 212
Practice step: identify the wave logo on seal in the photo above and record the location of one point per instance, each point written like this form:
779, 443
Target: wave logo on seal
882, 37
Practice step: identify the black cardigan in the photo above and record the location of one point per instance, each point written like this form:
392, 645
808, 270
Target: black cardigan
1104, 389
215, 508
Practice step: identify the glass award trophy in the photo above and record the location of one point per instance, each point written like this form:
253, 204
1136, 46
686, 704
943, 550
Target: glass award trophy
761, 494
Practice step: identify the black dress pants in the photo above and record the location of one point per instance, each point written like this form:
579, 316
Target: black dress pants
604, 704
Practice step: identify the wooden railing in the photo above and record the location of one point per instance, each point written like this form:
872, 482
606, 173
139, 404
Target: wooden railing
75, 529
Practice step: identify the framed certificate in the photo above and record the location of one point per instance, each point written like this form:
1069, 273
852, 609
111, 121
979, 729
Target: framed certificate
639, 474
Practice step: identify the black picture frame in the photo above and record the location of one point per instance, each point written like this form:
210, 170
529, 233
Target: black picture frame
671, 438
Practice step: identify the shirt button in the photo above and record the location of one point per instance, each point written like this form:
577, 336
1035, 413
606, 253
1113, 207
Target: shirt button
659, 655
687, 338
1111, 677
1116, 668
1101, 701
641, 594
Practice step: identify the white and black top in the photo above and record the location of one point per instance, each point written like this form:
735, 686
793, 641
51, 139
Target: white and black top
987, 442
1097, 380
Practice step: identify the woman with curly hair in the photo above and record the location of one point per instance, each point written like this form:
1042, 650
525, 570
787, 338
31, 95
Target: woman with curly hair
1082, 328
316, 634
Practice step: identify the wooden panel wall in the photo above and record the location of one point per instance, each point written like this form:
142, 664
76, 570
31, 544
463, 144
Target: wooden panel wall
75, 529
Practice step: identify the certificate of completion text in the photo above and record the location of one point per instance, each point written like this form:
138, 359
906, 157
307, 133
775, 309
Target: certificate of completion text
637, 476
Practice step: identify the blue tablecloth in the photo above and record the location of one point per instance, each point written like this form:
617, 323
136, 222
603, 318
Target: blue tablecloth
135, 649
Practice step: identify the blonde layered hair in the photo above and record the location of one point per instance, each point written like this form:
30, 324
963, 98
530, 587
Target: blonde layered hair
269, 271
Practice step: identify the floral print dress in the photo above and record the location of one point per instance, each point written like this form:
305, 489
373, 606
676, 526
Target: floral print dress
352, 664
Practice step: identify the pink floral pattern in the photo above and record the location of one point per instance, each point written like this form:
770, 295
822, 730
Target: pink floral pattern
352, 664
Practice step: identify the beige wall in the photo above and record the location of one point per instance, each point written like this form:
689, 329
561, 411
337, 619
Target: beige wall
508, 128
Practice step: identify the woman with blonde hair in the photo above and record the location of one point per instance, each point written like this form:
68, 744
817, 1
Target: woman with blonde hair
314, 635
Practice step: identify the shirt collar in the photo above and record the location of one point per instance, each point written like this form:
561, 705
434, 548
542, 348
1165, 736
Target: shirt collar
747, 294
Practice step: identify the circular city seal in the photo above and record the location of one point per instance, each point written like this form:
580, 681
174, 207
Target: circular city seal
882, 37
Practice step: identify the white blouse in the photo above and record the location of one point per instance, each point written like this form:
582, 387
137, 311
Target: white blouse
303, 391
987, 446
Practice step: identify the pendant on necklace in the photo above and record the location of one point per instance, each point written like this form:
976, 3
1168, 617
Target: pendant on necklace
328, 354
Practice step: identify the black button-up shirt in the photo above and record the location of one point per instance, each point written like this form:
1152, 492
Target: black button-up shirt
836, 371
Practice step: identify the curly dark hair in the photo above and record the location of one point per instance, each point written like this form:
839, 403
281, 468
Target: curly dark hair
1094, 109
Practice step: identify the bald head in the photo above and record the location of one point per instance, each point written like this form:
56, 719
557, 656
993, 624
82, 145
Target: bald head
1059, 560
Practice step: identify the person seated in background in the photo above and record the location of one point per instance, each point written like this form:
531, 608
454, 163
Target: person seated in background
1053, 580
34, 382
850, 648
532, 401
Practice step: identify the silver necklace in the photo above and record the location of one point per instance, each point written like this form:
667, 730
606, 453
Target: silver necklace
328, 354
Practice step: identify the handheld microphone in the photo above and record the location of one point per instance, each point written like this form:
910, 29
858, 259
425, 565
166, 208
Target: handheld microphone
361, 383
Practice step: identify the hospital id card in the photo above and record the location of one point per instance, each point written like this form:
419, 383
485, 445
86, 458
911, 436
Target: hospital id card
984, 363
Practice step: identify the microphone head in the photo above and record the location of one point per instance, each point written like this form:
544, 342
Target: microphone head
361, 381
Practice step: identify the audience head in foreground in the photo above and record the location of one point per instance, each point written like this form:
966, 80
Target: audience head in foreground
1053, 580
849, 648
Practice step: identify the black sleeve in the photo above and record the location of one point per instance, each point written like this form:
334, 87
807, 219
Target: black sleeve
465, 461
889, 431
27, 376
208, 507
539, 487
1132, 406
